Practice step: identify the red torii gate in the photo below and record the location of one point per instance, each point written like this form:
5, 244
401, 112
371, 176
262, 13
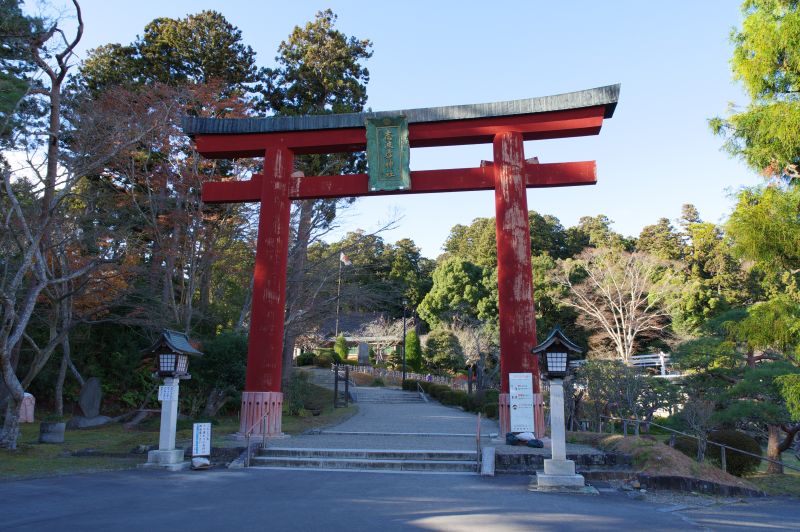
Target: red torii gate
505, 124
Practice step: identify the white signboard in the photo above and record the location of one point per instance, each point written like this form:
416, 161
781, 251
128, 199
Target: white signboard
520, 388
167, 393
201, 439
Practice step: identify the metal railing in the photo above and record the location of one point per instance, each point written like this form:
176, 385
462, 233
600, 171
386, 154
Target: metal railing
249, 433
722, 446
348, 383
421, 392
478, 443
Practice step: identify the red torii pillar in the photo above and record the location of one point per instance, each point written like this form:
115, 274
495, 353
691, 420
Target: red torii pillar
509, 175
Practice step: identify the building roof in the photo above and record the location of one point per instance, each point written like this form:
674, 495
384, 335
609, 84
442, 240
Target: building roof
556, 336
606, 96
349, 324
175, 341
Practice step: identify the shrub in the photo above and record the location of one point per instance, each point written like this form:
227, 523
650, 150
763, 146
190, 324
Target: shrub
410, 385
687, 446
413, 351
305, 359
377, 381
295, 392
438, 390
471, 403
737, 463
340, 348
324, 357
491, 396
449, 398
491, 410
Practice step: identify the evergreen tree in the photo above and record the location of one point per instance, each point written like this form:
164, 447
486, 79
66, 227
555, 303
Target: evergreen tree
443, 352
340, 348
413, 351
766, 60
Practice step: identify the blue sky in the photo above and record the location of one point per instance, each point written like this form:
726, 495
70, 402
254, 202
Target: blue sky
656, 154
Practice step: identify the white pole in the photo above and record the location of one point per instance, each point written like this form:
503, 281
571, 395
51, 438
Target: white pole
169, 417
558, 435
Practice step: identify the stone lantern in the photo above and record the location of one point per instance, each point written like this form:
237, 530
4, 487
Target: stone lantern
555, 355
172, 351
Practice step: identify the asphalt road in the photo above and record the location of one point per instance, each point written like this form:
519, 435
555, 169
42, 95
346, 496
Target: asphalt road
305, 501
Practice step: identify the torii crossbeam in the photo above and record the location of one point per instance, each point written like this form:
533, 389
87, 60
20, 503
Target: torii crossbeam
504, 124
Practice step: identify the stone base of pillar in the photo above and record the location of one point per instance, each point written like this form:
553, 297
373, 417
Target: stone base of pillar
559, 473
171, 460
538, 415
504, 414
261, 413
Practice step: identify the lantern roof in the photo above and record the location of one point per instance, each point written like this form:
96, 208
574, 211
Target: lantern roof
176, 342
556, 336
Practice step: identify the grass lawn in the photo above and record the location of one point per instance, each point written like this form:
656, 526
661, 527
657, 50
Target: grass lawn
786, 484
109, 448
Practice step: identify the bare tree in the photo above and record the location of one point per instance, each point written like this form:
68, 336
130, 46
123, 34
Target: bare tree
477, 341
621, 295
38, 270
697, 413
384, 333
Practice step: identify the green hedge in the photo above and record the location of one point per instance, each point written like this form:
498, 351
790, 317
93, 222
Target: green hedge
305, 359
738, 464
325, 356
485, 402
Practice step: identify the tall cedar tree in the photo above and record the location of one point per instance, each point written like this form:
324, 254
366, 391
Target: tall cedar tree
319, 71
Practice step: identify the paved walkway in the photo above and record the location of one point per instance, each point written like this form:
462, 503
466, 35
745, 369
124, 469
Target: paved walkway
311, 500
399, 426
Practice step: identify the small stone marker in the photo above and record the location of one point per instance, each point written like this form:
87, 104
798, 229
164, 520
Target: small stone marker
363, 353
27, 408
90, 397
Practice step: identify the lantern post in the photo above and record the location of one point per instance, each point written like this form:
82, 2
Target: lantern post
558, 471
172, 351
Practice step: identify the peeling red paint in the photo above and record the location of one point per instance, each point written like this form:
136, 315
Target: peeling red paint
514, 277
264, 353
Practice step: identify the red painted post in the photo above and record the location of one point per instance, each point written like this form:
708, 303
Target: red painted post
262, 395
514, 277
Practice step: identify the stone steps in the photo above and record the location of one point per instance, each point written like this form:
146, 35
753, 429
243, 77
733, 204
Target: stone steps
361, 398
438, 461
383, 396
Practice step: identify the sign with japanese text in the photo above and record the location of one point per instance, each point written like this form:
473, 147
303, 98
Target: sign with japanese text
201, 439
520, 392
167, 393
388, 153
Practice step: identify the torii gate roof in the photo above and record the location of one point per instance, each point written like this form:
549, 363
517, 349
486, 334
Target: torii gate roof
601, 96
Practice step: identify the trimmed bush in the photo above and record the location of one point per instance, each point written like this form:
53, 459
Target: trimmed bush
410, 385
305, 359
491, 410
491, 396
377, 381
324, 357
738, 464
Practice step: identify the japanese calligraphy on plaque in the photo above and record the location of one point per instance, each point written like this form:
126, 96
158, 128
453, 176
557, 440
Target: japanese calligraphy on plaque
388, 153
